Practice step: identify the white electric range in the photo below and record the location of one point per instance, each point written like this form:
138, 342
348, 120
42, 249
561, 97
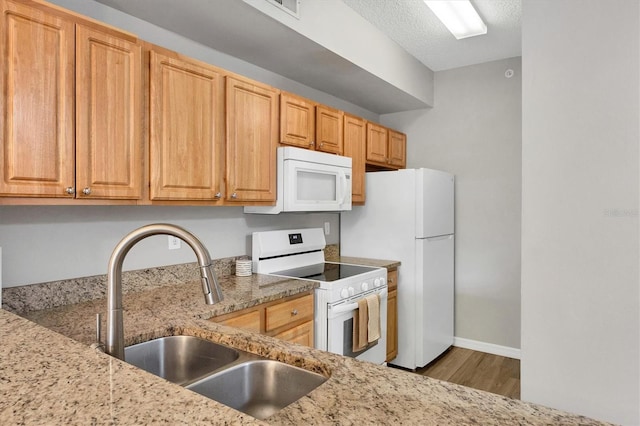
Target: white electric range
299, 254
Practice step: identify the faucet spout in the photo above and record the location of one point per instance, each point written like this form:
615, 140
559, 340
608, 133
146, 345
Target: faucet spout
210, 286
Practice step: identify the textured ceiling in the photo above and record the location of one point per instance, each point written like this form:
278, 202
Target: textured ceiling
412, 25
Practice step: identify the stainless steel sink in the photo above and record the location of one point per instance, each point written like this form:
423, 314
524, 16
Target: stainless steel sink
249, 383
180, 359
259, 387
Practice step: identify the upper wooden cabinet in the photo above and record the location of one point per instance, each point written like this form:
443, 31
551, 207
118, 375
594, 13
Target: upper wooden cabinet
305, 124
37, 83
252, 140
397, 149
108, 110
186, 129
376, 144
57, 143
329, 131
297, 121
386, 148
355, 139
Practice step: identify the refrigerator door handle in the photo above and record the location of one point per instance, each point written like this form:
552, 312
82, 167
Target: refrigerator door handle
440, 237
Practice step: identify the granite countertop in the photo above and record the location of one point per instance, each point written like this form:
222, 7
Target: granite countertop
389, 264
49, 375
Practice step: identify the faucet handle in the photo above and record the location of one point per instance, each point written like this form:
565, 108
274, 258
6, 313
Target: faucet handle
98, 344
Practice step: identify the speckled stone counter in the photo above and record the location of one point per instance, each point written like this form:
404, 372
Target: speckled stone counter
50, 378
389, 264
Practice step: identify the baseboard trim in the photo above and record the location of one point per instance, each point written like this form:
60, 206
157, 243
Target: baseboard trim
489, 348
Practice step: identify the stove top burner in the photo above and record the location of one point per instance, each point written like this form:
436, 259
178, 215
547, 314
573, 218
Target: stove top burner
326, 272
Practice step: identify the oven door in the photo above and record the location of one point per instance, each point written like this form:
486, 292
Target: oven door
340, 321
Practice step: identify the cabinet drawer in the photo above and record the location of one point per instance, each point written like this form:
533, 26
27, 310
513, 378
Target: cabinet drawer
288, 312
301, 334
247, 321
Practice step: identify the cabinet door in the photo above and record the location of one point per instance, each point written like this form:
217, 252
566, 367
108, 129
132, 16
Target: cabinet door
376, 143
37, 106
329, 130
397, 149
252, 138
392, 315
297, 121
355, 140
186, 129
302, 334
392, 325
109, 124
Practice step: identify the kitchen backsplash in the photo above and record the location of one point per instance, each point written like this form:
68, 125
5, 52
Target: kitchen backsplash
53, 294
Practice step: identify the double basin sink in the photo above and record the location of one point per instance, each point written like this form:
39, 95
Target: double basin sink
249, 383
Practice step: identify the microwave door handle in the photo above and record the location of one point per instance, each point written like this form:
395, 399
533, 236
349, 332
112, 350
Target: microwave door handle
343, 187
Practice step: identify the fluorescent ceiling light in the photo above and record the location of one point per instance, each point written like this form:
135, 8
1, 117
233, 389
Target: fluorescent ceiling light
458, 16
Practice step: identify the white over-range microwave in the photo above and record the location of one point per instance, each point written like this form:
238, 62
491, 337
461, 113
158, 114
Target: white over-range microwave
310, 181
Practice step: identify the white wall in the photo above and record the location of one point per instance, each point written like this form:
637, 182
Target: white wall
474, 131
580, 241
48, 243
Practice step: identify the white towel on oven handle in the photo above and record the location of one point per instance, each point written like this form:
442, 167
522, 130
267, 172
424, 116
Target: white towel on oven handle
373, 325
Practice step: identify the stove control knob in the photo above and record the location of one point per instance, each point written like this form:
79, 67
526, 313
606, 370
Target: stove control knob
365, 286
383, 280
344, 293
376, 282
351, 291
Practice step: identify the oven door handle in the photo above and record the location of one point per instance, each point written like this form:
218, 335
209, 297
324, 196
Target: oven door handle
353, 306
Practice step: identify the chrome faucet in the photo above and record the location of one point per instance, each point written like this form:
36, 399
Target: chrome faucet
115, 328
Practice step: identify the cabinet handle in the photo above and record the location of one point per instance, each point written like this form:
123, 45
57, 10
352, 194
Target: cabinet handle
294, 312
218, 195
234, 195
311, 143
70, 190
86, 191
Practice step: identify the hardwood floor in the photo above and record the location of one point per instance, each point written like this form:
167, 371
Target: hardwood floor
479, 370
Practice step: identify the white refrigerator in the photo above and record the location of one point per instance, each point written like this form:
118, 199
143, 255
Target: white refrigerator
409, 216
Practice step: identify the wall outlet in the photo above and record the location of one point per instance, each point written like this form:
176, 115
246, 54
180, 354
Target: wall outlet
327, 228
174, 242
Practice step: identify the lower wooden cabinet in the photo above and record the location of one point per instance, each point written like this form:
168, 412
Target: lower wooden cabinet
289, 319
245, 320
301, 334
392, 315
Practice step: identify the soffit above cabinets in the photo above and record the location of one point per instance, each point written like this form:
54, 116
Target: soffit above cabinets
241, 30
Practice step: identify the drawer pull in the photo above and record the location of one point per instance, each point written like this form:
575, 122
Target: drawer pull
294, 312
